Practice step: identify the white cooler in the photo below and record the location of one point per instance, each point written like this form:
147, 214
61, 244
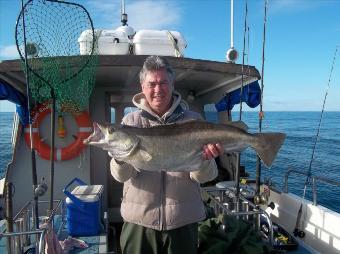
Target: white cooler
159, 42
110, 42
84, 213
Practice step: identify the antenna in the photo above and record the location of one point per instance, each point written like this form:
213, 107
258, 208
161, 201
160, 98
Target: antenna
128, 30
232, 53
124, 16
232, 23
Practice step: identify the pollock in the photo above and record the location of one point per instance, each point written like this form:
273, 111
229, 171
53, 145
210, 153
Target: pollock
179, 146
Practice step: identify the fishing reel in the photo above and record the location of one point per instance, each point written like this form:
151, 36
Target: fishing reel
40, 189
261, 199
299, 233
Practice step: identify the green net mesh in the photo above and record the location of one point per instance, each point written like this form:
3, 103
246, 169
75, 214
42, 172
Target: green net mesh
59, 44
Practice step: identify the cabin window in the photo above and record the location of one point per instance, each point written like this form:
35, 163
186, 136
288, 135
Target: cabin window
210, 113
113, 115
128, 110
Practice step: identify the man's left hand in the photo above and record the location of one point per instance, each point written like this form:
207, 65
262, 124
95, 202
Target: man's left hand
211, 151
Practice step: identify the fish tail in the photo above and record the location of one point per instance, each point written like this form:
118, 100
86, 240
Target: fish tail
267, 145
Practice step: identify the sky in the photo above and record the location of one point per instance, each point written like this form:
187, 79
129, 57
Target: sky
301, 39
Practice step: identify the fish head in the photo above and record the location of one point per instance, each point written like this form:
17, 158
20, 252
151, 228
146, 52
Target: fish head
119, 143
97, 137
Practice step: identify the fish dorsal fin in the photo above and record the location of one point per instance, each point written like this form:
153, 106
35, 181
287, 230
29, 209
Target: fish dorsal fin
180, 123
240, 124
187, 121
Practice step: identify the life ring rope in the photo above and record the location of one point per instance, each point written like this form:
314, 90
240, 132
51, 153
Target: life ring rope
60, 154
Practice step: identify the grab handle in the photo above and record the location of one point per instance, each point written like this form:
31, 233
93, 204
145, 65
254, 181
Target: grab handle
74, 199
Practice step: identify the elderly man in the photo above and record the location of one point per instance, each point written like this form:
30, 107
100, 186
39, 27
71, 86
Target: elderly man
161, 209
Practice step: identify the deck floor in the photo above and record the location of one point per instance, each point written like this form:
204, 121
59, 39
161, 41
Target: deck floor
97, 243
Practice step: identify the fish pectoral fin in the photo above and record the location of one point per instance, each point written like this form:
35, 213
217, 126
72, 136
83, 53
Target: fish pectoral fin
145, 155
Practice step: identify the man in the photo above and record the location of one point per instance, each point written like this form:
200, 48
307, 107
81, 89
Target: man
161, 209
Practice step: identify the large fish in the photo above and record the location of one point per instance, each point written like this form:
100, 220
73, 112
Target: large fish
178, 146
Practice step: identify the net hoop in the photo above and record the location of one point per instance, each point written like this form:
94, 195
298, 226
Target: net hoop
60, 154
22, 56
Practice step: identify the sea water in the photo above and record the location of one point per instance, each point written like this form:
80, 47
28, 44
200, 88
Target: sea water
6, 122
296, 152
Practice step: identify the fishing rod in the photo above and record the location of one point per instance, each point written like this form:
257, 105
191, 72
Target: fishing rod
238, 155
261, 114
309, 172
243, 55
33, 158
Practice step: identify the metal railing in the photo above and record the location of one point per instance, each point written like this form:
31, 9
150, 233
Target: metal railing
219, 201
314, 180
21, 237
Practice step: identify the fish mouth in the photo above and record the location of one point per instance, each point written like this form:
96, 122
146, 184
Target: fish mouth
97, 137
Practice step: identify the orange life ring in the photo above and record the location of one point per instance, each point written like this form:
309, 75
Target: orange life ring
60, 154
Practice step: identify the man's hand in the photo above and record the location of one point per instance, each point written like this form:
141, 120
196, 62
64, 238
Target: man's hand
211, 151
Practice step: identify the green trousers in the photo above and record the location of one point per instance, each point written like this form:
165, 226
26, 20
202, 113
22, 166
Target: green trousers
136, 239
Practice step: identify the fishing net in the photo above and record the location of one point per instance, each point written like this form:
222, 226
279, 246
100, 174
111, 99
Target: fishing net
55, 67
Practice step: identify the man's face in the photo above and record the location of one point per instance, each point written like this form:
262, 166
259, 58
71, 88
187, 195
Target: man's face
157, 89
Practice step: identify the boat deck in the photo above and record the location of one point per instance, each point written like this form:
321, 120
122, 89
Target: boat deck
302, 249
217, 199
96, 243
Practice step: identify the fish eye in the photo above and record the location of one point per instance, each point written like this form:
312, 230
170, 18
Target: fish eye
111, 129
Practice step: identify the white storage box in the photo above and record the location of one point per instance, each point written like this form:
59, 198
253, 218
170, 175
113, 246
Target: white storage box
110, 42
156, 42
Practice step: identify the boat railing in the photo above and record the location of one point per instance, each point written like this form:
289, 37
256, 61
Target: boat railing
242, 208
22, 235
313, 178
